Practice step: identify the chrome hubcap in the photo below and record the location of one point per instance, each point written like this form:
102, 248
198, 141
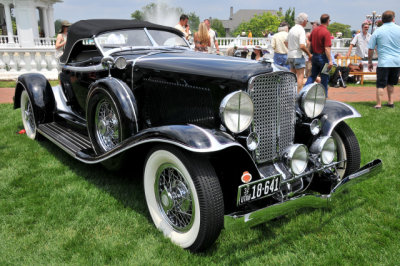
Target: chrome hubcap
174, 198
107, 126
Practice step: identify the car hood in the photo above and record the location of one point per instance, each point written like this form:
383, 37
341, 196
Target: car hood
203, 64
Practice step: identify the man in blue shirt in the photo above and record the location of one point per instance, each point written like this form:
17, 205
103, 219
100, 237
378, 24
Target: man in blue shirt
387, 41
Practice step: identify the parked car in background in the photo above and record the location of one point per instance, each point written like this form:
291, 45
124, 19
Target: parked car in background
223, 141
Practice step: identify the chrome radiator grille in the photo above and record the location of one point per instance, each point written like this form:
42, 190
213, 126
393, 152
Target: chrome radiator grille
273, 96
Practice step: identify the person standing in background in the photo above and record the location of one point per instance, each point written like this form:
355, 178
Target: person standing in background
213, 38
183, 26
202, 39
361, 42
296, 41
321, 43
387, 41
279, 46
62, 38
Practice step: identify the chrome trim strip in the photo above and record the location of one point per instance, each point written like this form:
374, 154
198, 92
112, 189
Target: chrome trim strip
94, 68
112, 153
130, 102
57, 143
240, 221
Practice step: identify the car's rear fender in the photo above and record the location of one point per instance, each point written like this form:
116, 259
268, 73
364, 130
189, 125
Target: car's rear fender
334, 113
40, 94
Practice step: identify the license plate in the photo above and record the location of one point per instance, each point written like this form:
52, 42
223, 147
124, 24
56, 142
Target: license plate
258, 189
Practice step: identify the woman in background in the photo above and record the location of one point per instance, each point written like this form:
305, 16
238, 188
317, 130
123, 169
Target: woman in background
202, 39
62, 38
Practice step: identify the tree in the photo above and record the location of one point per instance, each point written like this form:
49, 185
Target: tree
217, 25
194, 21
289, 16
138, 15
343, 28
57, 25
258, 24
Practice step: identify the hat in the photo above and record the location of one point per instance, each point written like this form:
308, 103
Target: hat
316, 22
65, 23
283, 24
257, 47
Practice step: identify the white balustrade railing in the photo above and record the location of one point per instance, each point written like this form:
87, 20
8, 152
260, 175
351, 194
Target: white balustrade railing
17, 61
6, 42
227, 42
45, 42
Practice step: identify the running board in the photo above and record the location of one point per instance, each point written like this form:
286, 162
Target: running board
67, 139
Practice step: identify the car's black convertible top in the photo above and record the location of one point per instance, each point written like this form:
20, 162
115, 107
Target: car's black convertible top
84, 29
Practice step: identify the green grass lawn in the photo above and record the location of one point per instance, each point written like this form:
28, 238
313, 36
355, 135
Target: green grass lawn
11, 83
55, 210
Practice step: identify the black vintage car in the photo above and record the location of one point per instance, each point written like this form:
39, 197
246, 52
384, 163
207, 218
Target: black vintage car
223, 141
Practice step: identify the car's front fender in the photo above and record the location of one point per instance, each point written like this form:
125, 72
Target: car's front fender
334, 113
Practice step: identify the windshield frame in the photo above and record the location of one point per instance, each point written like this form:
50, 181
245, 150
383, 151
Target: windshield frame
154, 44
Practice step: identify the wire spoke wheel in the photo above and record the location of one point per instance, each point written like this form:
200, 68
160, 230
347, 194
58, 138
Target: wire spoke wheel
107, 126
348, 150
174, 197
28, 117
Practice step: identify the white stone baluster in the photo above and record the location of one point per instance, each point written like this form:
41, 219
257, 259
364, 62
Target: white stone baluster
2, 64
12, 65
27, 60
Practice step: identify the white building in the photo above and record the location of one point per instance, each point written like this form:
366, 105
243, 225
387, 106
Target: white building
24, 48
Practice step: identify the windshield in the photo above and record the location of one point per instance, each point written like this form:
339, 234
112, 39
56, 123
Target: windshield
138, 38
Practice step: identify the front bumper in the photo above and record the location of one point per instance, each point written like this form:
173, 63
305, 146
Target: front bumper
302, 201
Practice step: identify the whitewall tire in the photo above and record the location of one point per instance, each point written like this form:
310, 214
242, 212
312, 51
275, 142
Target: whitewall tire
184, 197
28, 116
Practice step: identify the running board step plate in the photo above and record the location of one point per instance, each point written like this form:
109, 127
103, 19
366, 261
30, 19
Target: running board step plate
69, 140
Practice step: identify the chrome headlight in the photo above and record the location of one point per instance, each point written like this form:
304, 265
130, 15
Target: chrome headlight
296, 157
120, 62
326, 148
312, 99
237, 111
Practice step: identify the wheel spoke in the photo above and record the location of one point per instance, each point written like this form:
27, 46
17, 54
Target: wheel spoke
180, 213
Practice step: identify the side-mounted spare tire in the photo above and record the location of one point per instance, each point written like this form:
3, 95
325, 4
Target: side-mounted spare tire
110, 120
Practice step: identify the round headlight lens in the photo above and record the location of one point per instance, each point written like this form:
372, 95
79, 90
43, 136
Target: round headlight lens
296, 157
120, 62
328, 151
237, 111
312, 99
326, 148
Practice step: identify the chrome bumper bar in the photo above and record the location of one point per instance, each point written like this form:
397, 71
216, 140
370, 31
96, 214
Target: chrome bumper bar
302, 201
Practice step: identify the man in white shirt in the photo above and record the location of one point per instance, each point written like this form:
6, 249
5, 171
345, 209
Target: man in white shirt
297, 47
279, 46
361, 41
213, 38
183, 26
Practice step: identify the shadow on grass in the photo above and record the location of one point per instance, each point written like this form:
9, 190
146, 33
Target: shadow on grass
124, 185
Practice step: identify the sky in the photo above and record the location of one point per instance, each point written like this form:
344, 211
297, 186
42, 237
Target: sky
351, 12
